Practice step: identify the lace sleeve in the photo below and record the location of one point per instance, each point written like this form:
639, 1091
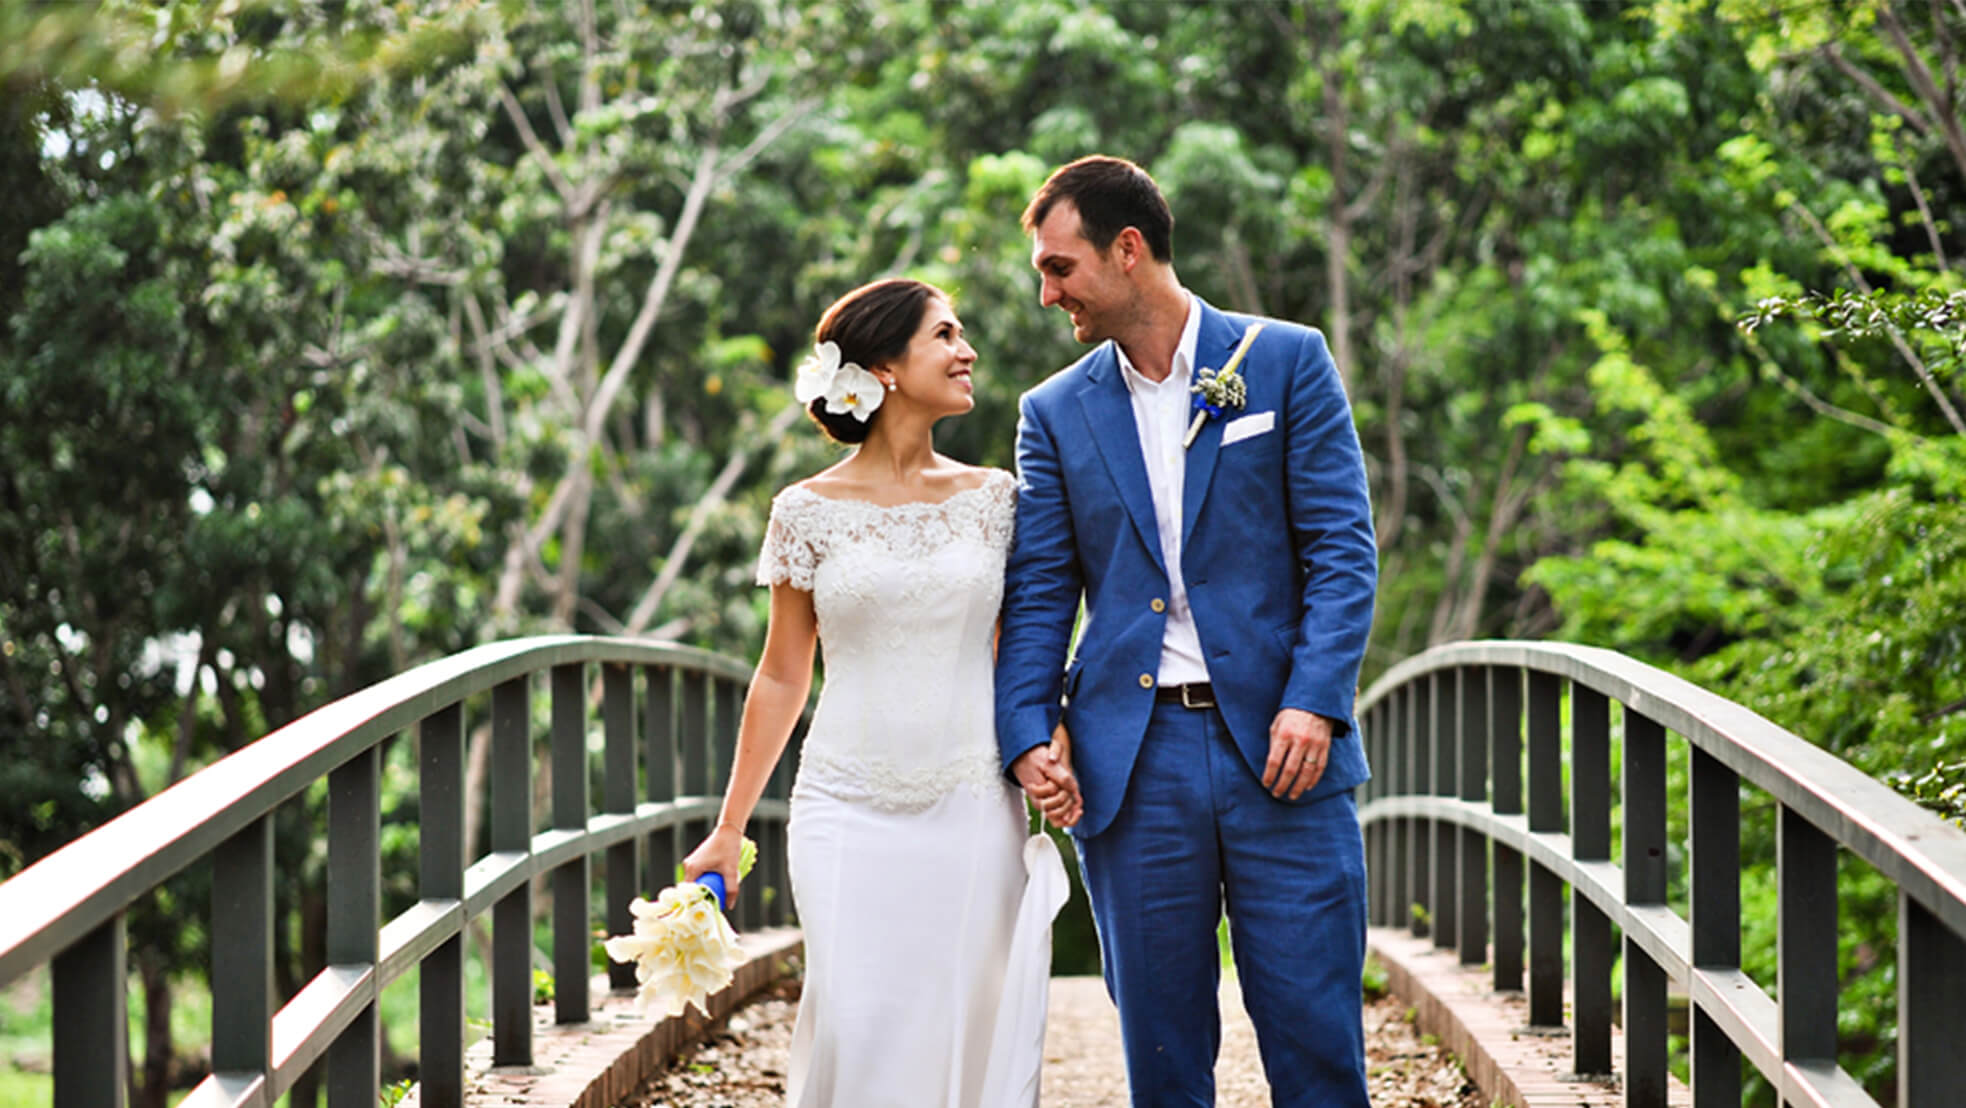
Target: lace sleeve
1002, 515
788, 556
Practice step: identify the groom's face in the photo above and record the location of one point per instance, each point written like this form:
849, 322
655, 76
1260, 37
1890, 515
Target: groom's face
1084, 282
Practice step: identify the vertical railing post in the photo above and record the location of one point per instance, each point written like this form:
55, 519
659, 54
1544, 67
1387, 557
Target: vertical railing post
1714, 916
1931, 1028
242, 951
1399, 853
1473, 760
618, 798
1420, 835
571, 879
1806, 974
1442, 727
1592, 951
1545, 814
1505, 771
1393, 767
92, 1024
1644, 808
659, 755
440, 876
1377, 873
511, 833
354, 1059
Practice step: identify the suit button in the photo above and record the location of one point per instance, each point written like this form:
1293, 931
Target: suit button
1146, 680
1158, 604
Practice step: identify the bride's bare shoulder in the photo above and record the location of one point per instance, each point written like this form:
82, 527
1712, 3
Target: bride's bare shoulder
963, 477
832, 484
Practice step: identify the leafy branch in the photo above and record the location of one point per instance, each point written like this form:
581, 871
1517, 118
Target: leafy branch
1869, 313
1847, 314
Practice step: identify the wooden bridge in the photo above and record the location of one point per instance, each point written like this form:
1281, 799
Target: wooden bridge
1489, 832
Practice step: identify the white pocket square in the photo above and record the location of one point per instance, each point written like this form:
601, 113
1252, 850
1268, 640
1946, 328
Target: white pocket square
1249, 426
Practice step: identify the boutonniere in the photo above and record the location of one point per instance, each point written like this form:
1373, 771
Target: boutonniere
1216, 389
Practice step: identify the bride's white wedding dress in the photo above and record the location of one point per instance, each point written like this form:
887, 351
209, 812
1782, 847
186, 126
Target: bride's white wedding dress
926, 904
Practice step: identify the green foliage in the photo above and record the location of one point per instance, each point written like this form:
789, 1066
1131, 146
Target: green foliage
1941, 788
1933, 316
1375, 981
414, 326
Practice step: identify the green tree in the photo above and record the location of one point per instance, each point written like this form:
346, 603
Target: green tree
1792, 538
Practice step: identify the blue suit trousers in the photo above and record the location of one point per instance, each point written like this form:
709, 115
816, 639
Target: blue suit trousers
1196, 836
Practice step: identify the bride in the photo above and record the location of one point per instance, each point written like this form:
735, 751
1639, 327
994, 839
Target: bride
926, 909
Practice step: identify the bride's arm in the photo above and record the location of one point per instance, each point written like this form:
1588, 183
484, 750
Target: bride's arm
771, 709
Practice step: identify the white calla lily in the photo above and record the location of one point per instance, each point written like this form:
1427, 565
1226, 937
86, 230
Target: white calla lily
683, 948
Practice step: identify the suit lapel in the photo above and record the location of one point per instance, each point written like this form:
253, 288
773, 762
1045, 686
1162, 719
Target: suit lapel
1108, 411
1215, 340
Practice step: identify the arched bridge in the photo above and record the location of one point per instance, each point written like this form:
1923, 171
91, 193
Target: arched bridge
1490, 828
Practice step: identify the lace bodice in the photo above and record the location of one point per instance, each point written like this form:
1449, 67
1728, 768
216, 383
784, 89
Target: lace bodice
906, 596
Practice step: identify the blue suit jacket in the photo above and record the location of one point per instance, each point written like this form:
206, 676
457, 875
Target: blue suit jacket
1277, 554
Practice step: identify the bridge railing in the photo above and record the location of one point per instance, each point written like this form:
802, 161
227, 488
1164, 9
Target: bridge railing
1468, 743
68, 910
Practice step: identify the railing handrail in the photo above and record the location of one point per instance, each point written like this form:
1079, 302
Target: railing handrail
67, 911
43, 906
1470, 740
1918, 850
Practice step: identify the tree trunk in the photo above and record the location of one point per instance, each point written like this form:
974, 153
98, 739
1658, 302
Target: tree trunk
151, 1085
306, 1092
1392, 514
1944, 113
573, 540
1338, 227
477, 768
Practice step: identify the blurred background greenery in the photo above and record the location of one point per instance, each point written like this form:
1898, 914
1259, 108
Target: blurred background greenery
338, 336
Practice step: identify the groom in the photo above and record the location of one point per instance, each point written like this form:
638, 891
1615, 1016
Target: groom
1227, 584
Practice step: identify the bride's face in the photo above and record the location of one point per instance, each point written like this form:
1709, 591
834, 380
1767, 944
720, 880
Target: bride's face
935, 371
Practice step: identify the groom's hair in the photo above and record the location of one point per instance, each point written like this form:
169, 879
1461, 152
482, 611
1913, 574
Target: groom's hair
1111, 195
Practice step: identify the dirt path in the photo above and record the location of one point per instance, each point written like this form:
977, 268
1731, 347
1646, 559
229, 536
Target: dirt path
744, 1065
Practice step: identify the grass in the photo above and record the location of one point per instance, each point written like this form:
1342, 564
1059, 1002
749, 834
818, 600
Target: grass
19, 1089
25, 1089
27, 1026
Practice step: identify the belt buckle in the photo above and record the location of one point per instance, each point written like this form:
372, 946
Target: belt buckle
1194, 704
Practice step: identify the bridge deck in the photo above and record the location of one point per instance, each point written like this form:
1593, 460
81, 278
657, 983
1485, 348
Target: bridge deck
603, 1063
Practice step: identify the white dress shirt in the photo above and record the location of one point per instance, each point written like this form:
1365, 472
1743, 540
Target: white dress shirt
1160, 414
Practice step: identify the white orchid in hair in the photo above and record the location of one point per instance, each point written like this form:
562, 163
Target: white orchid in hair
854, 390
816, 373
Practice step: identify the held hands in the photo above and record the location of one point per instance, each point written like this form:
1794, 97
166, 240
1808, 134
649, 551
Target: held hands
1300, 742
1047, 777
719, 851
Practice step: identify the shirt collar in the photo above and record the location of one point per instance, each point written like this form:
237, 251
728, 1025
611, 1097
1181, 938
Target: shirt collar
1184, 354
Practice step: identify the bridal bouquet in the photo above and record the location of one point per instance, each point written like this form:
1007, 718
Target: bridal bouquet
683, 947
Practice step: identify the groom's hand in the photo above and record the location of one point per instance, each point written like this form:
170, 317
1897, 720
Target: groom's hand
1047, 777
1300, 742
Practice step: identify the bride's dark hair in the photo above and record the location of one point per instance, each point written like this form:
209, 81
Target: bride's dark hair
872, 324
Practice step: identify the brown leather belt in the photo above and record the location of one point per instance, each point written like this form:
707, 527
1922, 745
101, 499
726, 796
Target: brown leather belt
1200, 694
